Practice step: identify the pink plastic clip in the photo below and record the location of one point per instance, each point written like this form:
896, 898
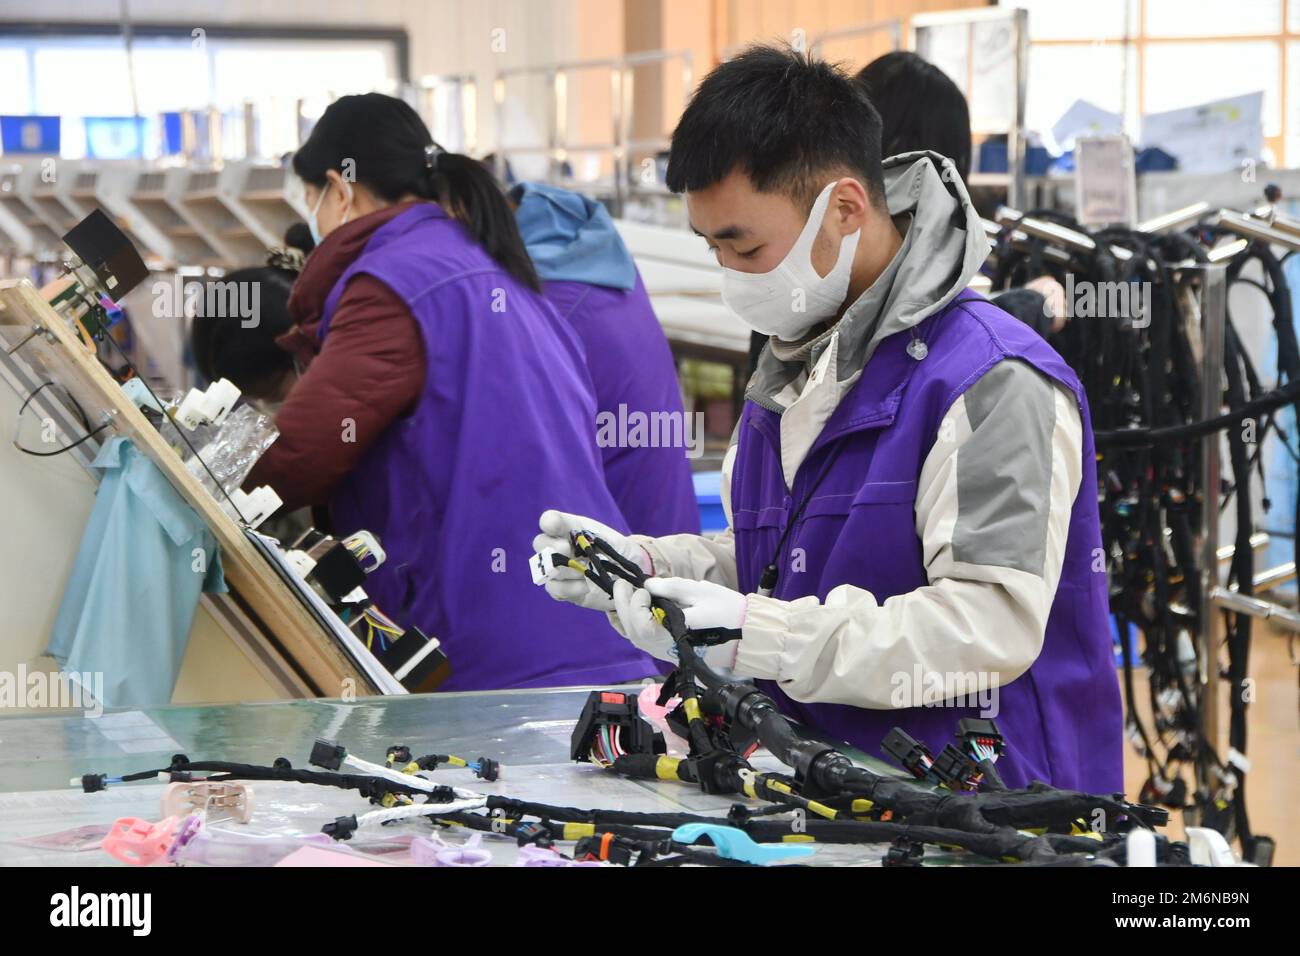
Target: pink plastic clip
139, 842
432, 851
234, 799
534, 855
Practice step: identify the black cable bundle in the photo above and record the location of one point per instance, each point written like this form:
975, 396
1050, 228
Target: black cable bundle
1142, 381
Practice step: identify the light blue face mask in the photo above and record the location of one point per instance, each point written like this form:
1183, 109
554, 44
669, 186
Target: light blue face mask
312, 225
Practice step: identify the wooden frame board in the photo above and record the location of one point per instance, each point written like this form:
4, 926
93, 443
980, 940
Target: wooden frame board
57, 354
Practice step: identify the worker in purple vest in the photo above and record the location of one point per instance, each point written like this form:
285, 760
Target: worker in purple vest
913, 531
645, 438
443, 403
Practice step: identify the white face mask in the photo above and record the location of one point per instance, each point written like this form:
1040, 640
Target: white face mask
792, 298
313, 225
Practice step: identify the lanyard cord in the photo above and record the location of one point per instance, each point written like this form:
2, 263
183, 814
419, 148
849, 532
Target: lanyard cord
767, 583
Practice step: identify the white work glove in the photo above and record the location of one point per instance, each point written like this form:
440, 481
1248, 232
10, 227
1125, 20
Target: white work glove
566, 584
707, 607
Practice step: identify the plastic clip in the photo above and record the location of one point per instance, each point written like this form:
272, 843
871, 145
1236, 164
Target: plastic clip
234, 799
138, 842
432, 851
733, 844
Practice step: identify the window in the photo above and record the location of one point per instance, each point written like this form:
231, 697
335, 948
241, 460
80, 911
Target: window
1173, 53
169, 70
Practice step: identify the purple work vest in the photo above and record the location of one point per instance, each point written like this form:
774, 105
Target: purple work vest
503, 430
634, 377
1062, 718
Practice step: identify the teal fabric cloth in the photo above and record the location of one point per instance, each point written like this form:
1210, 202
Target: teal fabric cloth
145, 557
571, 238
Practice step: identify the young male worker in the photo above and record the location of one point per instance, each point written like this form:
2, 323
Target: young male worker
912, 487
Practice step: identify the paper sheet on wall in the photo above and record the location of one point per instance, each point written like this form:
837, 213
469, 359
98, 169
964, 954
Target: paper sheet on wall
1210, 137
993, 76
1085, 119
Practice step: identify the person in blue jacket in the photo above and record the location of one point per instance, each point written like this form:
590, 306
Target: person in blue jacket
645, 438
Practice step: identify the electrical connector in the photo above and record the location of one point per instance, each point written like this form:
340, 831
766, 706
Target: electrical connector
533, 834
342, 828
327, 754
908, 752
904, 852
416, 660
544, 562
980, 737
486, 769
955, 768
211, 406
607, 848
617, 711
255, 506
338, 572
94, 782
400, 754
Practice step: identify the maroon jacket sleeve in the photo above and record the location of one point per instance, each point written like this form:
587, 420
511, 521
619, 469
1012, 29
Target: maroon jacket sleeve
370, 371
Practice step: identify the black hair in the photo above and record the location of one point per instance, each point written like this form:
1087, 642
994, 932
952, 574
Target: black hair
784, 119
387, 146
224, 347
298, 236
920, 107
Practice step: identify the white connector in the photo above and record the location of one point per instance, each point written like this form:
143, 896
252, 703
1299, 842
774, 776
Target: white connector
210, 407
257, 505
542, 564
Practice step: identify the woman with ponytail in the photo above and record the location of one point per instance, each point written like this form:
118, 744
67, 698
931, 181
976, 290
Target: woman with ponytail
443, 404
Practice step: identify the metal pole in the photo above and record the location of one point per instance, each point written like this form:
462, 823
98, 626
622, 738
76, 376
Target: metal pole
1213, 302
1242, 604
1016, 135
1177, 219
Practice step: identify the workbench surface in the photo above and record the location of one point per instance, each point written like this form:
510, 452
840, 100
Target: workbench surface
527, 731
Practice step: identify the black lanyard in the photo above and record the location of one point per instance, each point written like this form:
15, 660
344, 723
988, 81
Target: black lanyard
767, 583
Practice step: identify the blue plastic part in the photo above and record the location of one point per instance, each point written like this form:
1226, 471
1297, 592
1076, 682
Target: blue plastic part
708, 498
734, 844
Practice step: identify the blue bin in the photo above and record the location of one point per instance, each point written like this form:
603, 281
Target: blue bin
708, 498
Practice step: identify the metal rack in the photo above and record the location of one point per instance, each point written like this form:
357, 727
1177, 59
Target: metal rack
558, 147
1210, 282
462, 89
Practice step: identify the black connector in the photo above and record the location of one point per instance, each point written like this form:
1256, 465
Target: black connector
338, 572
611, 708
180, 776
400, 754
904, 852
977, 730
535, 833
908, 752
955, 768
416, 660
1260, 851
719, 771
93, 782
342, 828
282, 763
327, 754
604, 848
430, 761
487, 769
